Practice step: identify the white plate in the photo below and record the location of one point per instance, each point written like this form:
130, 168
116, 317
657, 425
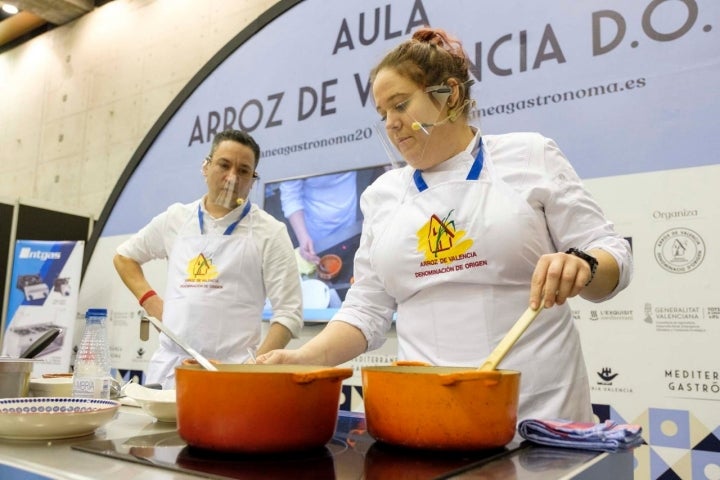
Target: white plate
160, 404
47, 418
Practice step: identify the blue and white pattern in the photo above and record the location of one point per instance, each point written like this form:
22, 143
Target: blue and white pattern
53, 405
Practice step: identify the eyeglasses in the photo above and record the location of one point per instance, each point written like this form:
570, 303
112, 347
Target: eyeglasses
434, 90
225, 166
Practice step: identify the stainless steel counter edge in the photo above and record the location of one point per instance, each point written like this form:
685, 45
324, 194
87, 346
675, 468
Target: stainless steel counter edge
57, 460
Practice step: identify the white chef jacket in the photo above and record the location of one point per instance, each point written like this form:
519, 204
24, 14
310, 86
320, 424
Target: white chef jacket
442, 329
269, 237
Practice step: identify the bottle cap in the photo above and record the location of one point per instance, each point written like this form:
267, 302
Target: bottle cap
96, 313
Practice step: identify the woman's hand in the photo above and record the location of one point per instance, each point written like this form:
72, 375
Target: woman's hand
557, 277
337, 343
283, 356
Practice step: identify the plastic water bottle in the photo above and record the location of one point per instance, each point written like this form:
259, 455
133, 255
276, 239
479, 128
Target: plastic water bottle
91, 374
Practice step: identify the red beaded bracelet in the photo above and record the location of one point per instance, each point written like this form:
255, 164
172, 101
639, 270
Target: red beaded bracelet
148, 294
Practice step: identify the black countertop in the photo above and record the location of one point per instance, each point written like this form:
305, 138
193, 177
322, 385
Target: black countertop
353, 454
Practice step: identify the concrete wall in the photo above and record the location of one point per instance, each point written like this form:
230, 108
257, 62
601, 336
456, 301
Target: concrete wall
78, 100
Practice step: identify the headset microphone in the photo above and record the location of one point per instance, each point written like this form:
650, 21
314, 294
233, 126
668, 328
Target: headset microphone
424, 126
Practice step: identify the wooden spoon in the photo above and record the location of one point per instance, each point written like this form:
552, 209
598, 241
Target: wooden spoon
509, 340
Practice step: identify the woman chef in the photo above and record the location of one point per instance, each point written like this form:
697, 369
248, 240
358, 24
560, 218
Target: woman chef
225, 257
457, 241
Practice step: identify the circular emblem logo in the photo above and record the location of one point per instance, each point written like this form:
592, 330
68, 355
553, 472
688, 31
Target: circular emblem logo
679, 250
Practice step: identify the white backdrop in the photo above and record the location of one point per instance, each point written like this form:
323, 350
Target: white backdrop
629, 90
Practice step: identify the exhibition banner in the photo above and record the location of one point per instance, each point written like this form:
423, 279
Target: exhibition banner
44, 291
626, 89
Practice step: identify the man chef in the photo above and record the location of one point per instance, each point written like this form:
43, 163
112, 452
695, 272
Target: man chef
225, 256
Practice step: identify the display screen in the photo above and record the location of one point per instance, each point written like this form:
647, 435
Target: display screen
322, 211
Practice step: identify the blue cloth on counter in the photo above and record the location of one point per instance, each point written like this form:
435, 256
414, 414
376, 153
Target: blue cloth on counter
607, 436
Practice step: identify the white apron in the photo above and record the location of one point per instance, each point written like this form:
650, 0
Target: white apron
458, 257
214, 299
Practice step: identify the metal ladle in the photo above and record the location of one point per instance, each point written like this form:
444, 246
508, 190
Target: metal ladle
191, 351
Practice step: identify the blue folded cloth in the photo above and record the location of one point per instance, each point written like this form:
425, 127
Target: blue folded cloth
607, 436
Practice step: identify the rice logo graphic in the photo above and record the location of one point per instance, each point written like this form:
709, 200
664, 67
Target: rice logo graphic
438, 239
606, 375
201, 269
27, 252
679, 250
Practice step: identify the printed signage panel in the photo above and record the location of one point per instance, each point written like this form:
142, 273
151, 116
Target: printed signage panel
44, 296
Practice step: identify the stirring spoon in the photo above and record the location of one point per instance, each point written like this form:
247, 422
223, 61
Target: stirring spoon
510, 338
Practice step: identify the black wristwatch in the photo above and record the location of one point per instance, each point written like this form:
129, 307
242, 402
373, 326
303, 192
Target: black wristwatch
592, 261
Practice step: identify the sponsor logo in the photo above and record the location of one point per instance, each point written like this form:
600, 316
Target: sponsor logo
691, 382
679, 250
648, 313
27, 252
607, 375
605, 383
681, 318
609, 314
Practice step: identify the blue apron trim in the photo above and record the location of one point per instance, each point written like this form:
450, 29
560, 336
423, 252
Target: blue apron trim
230, 227
473, 174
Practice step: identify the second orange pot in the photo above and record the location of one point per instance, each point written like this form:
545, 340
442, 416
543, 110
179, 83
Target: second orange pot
456, 408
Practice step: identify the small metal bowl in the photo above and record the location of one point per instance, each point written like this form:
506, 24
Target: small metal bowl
15, 377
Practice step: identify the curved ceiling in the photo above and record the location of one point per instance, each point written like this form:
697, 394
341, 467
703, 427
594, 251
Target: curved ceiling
38, 16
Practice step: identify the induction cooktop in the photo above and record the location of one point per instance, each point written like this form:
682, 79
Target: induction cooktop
351, 453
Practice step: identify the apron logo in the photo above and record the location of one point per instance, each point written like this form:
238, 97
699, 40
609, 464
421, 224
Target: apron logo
201, 269
440, 242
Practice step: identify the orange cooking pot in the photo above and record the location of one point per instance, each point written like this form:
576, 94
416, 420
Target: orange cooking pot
258, 408
459, 408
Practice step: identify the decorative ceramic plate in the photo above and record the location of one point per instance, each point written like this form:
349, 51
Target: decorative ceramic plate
46, 418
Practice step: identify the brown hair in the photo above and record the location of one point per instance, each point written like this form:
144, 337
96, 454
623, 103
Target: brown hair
238, 136
430, 57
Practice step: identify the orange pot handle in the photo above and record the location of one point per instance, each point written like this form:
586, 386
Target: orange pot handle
410, 363
489, 378
192, 361
326, 373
